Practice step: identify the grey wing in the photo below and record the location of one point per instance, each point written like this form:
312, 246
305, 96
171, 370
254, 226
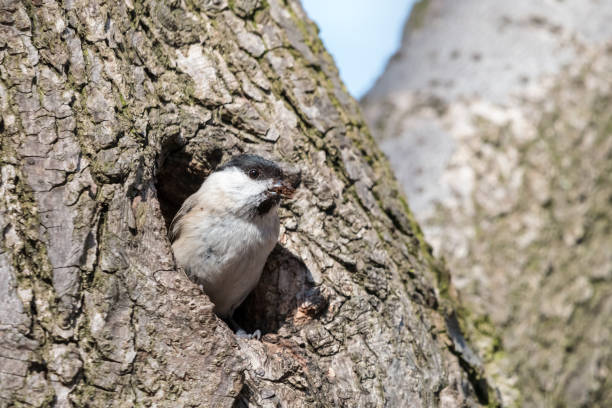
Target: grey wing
177, 223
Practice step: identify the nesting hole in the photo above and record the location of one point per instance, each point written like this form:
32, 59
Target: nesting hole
286, 294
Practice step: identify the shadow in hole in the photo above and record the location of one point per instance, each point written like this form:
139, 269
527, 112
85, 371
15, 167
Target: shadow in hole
285, 295
180, 175
245, 397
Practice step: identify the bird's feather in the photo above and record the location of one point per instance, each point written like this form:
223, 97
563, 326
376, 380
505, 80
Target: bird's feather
176, 225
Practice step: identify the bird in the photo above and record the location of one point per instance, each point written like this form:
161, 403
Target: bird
223, 233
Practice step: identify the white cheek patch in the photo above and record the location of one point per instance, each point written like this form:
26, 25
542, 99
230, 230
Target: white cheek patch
237, 187
243, 185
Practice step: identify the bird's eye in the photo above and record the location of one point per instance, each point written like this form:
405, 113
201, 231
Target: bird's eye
253, 173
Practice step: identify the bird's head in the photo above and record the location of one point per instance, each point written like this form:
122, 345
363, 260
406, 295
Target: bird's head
250, 185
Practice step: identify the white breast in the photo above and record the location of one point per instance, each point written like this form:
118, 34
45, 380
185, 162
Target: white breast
226, 254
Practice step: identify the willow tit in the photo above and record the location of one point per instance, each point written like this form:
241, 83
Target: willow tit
224, 232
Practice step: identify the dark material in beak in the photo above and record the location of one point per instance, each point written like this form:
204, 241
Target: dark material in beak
283, 189
288, 184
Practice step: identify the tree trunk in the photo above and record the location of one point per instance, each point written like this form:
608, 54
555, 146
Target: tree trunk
112, 114
497, 118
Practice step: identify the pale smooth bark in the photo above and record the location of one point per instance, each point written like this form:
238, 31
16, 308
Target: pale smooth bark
496, 117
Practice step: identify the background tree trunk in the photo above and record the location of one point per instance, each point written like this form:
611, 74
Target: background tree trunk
113, 113
497, 119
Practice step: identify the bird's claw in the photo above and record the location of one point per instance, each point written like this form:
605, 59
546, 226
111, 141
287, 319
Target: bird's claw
255, 335
244, 335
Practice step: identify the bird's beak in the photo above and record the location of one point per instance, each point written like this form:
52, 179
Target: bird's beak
288, 183
283, 188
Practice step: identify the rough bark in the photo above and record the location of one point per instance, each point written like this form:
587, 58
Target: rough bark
111, 114
496, 117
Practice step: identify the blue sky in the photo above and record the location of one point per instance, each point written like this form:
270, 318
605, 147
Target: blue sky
361, 35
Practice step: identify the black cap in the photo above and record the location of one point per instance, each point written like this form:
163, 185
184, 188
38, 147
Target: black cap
246, 162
